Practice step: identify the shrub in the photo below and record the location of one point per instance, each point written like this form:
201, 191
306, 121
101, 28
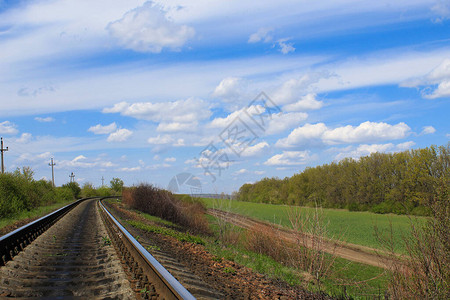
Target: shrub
19, 192
116, 184
424, 274
104, 191
163, 204
64, 194
74, 187
88, 190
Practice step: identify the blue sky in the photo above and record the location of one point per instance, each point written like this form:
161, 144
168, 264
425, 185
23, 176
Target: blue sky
146, 90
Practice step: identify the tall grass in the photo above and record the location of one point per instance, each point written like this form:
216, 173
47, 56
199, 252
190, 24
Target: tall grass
161, 203
425, 272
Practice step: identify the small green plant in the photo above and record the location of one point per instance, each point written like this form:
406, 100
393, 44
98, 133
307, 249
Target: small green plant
181, 236
137, 238
54, 238
106, 241
217, 259
229, 270
153, 247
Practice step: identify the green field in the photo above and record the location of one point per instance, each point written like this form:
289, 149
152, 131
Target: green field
353, 227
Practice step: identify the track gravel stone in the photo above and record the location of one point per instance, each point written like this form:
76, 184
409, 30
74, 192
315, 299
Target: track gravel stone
74, 258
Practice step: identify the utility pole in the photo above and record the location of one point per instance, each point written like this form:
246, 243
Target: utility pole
103, 180
3, 150
72, 177
53, 173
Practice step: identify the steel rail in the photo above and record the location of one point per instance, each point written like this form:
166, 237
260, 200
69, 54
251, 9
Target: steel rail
143, 266
14, 242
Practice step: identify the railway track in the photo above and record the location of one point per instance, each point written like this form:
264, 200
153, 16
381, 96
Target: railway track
81, 251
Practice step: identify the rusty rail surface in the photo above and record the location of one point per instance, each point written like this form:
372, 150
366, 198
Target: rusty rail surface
149, 274
14, 242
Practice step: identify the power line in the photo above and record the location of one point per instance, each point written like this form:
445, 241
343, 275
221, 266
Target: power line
53, 173
3, 150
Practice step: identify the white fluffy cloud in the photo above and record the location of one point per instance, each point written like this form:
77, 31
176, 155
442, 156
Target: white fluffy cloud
366, 149
130, 169
265, 35
119, 135
171, 115
44, 120
28, 157
295, 89
170, 159
285, 47
230, 89
240, 172
306, 135
103, 129
290, 158
272, 124
148, 29
7, 127
442, 9
82, 161
436, 83
24, 138
255, 150
160, 140
428, 130
317, 134
283, 121
165, 140
366, 132
307, 102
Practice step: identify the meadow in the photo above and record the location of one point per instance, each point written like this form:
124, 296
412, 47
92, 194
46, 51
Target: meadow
352, 227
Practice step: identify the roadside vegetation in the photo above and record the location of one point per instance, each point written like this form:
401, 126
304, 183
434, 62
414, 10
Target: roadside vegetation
400, 183
23, 199
20, 192
265, 253
183, 211
351, 227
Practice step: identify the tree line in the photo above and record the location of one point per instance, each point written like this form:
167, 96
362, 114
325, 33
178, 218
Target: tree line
401, 183
19, 192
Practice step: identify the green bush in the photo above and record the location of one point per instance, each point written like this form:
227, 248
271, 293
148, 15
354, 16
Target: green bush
20, 192
104, 192
64, 194
74, 187
88, 190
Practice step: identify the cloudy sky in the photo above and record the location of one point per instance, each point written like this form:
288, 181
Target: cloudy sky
228, 91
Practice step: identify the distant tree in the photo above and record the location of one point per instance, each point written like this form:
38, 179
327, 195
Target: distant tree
88, 190
74, 187
116, 184
26, 173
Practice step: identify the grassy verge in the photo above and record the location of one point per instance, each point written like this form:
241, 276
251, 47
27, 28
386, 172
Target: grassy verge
181, 236
354, 227
32, 214
348, 279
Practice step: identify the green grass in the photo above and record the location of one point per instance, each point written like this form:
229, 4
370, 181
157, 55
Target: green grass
156, 219
181, 236
340, 282
352, 227
373, 279
258, 262
34, 213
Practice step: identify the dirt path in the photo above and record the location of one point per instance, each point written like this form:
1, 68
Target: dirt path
348, 251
